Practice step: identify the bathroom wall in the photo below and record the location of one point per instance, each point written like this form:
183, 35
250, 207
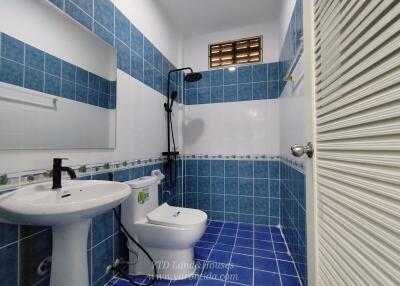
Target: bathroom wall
144, 55
234, 188
292, 131
231, 119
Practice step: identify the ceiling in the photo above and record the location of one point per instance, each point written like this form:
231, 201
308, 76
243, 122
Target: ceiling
196, 17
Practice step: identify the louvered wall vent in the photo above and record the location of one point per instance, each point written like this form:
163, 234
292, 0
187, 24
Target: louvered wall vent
244, 51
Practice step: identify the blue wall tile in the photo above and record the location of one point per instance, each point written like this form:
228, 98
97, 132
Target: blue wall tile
34, 79
217, 77
137, 66
246, 169
34, 58
12, 48
104, 14
245, 91
12, 72
81, 93
245, 74
217, 168
260, 72
246, 187
231, 168
148, 51
232, 186
148, 73
122, 27
85, 5
52, 85
104, 34
68, 71
230, 76
9, 265
158, 60
205, 80
260, 90
191, 96
204, 95
68, 89
136, 41
240, 189
217, 94
230, 93
82, 77
273, 89
123, 56
78, 15
52, 65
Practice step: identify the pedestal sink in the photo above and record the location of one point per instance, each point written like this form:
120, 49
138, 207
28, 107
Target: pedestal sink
69, 211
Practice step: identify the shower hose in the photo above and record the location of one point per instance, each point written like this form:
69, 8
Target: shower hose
124, 275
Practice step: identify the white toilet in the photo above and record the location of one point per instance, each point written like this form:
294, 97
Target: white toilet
167, 233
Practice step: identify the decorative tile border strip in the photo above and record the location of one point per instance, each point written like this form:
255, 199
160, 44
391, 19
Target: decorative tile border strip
12, 181
299, 166
230, 157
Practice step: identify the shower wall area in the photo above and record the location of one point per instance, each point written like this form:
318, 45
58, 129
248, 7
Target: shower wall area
238, 124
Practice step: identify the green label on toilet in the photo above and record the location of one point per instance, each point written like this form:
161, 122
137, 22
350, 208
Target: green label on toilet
143, 196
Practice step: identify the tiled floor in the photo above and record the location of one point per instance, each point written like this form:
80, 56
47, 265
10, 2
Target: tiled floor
233, 254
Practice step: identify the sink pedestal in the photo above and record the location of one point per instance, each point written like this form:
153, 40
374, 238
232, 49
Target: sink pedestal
69, 260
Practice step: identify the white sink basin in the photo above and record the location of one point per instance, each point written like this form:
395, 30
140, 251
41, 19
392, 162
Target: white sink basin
39, 204
69, 211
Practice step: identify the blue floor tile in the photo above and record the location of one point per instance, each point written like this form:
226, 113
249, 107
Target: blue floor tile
244, 242
290, 280
263, 236
245, 234
283, 256
201, 253
219, 256
205, 244
209, 237
228, 248
243, 250
228, 231
242, 260
262, 278
213, 230
264, 253
240, 275
266, 264
281, 247
226, 240
286, 267
209, 282
224, 247
231, 225
214, 223
263, 244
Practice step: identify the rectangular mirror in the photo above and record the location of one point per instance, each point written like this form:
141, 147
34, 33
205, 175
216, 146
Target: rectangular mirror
57, 81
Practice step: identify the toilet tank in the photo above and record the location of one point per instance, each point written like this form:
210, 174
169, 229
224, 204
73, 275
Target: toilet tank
142, 200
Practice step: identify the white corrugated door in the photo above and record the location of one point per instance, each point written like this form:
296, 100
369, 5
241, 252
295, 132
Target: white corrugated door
357, 85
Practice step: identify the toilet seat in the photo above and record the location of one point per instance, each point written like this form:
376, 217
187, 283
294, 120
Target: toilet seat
167, 215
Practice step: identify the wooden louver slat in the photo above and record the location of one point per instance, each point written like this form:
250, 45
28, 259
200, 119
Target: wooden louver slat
235, 52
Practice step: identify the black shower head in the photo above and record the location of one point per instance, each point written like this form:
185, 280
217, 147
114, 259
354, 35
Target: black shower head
193, 76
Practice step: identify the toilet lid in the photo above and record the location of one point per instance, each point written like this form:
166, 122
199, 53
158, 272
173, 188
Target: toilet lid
177, 217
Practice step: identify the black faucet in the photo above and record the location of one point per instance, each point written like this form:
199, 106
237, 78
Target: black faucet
57, 172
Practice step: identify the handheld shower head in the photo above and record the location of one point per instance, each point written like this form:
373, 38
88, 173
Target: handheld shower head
193, 76
174, 95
